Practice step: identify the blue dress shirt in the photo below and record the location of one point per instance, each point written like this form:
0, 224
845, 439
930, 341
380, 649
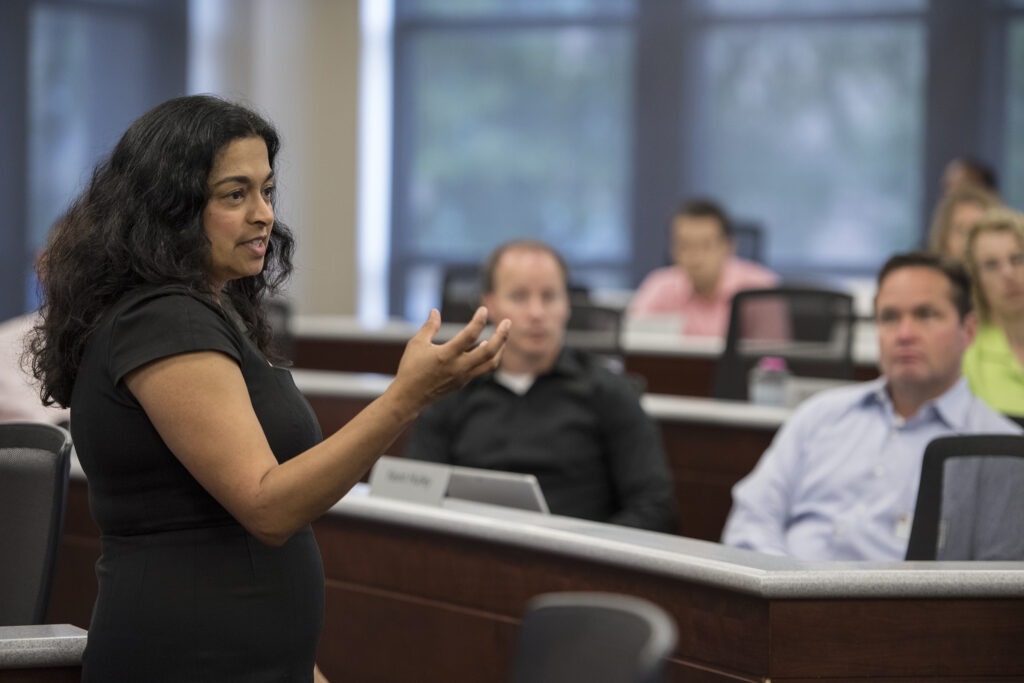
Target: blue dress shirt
839, 481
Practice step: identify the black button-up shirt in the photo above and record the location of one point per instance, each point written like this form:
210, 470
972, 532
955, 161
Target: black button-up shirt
579, 429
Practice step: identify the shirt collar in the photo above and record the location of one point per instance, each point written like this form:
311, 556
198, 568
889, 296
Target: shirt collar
953, 407
568, 362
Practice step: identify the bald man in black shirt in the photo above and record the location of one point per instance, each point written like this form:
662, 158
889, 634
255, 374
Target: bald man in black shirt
550, 411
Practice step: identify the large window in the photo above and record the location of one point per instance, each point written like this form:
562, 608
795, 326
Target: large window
585, 122
1013, 164
811, 126
514, 120
83, 71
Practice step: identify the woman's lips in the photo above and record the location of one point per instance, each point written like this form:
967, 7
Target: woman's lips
258, 245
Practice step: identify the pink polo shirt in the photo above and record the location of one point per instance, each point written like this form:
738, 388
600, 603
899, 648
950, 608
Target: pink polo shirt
669, 290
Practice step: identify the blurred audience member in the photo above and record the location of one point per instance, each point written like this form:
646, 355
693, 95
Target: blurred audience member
839, 481
550, 410
707, 273
966, 170
994, 364
955, 215
19, 394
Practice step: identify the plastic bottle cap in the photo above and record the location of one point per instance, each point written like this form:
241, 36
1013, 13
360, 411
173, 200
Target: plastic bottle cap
772, 363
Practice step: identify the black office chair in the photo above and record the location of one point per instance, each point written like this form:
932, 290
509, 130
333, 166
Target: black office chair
811, 328
460, 292
35, 461
279, 315
594, 328
592, 637
970, 500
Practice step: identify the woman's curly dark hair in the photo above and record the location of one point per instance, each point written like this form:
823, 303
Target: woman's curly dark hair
139, 222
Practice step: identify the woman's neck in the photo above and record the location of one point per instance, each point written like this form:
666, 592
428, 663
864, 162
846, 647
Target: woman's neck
1012, 326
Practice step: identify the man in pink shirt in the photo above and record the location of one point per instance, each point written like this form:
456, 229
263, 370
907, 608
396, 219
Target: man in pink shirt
706, 274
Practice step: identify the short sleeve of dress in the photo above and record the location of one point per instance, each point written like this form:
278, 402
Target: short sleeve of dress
165, 323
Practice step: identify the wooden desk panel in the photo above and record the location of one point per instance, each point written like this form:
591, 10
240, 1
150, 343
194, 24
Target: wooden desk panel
412, 585
683, 375
348, 355
890, 639
706, 461
678, 375
413, 603
457, 603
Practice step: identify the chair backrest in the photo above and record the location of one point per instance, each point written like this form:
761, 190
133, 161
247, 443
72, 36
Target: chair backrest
810, 327
593, 637
970, 500
594, 328
460, 292
35, 461
279, 315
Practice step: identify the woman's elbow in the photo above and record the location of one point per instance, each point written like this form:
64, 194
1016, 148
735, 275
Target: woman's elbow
268, 527
274, 538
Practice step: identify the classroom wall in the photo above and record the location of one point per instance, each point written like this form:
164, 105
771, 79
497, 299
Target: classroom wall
298, 63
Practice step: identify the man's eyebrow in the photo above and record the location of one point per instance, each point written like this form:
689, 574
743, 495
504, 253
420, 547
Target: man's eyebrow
240, 179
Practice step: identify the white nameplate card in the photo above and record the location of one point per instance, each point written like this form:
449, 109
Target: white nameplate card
409, 480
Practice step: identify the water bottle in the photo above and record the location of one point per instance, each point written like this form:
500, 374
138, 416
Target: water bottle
767, 382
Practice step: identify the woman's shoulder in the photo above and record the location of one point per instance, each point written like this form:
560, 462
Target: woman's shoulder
163, 296
152, 322
163, 305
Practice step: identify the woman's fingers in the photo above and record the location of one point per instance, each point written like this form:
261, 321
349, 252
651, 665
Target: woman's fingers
429, 328
468, 337
486, 355
430, 370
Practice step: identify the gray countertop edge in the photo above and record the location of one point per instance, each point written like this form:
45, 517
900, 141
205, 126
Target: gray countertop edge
38, 646
330, 383
694, 560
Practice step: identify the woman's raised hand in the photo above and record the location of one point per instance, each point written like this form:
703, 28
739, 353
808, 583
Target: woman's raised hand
428, 371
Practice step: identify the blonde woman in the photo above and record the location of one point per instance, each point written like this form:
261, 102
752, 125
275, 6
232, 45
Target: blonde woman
954, 217
994, 364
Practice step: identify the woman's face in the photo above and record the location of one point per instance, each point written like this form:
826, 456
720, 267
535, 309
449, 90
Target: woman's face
999, 260
239, 214
961, 220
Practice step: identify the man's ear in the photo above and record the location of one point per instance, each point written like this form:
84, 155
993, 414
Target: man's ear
488, 301
970, 326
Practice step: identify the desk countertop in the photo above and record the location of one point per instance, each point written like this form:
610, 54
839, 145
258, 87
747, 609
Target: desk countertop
708, 563
45, 645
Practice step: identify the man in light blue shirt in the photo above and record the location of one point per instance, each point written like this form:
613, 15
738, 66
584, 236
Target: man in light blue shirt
839, 481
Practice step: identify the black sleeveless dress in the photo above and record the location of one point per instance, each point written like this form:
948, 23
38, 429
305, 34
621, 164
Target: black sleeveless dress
185, 593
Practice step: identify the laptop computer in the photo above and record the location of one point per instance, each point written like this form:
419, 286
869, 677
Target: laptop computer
509, 489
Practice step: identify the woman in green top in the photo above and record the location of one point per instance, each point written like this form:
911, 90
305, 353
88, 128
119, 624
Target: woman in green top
994, 364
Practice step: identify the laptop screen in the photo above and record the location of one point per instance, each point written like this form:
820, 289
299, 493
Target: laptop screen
508, 489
